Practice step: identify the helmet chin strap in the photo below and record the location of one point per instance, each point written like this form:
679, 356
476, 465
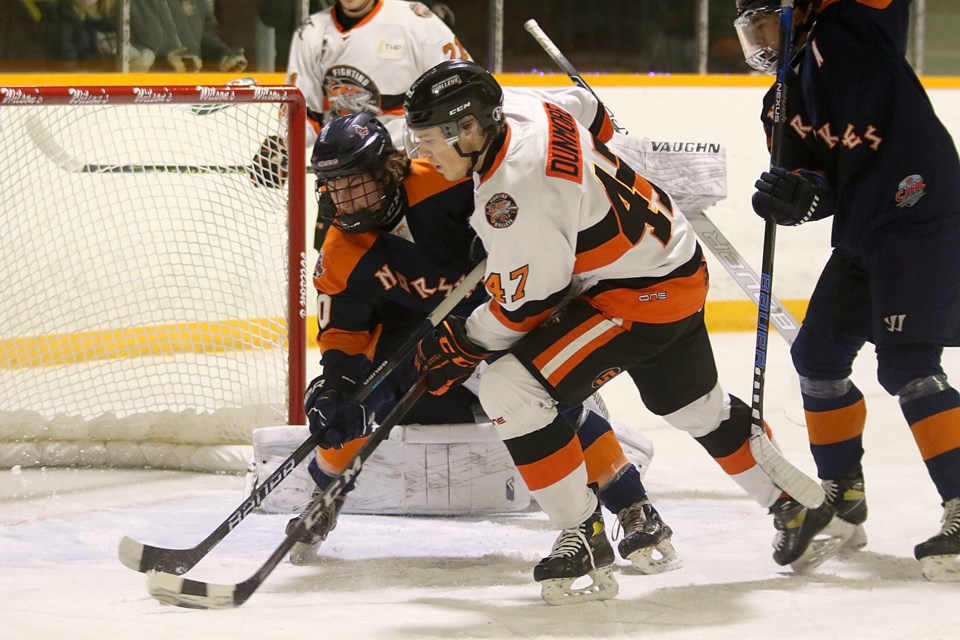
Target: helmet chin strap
473, 156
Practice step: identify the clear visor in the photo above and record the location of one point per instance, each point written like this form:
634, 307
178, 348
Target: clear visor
428, 142
759, 33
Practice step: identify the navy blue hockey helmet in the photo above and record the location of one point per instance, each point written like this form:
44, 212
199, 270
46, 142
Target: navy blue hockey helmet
351, 144
350, 158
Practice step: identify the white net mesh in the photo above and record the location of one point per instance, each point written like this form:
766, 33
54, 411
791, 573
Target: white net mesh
144, 311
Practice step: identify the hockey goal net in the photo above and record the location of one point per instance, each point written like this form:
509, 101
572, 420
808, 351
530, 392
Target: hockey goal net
152, 257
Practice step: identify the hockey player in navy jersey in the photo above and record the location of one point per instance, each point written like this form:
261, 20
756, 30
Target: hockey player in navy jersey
862, 144
399, 241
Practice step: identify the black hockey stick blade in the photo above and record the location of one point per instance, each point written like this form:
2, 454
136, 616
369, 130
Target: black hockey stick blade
144, 557
196, 594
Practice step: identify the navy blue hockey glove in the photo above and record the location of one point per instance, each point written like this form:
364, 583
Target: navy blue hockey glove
448, 356
789, 198
332, 413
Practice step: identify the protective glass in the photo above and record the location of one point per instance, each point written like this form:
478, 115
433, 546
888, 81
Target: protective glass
428, 142
759, 33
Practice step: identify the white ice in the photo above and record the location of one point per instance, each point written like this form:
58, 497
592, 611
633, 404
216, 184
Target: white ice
412, 578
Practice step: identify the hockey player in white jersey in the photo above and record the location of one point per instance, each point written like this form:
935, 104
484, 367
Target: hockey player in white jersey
592, 271
362, 55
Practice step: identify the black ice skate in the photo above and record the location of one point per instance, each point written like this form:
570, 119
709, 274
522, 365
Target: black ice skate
581, 551
938, 555
847, 497
644, 535
306, 549
802, 540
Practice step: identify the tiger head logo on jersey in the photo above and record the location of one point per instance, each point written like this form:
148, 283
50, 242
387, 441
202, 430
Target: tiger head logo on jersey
501, 210
350, 90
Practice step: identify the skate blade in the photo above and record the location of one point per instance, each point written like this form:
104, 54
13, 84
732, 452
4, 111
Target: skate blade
305, 555
643, 560
856, 541
853, 537
826, 544
940, 568
560, 591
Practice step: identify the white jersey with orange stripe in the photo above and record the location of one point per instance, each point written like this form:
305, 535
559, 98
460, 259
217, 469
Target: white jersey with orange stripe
580, 103
370, 66
560, 214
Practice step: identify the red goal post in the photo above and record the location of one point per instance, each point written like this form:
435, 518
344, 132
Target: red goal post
153, 297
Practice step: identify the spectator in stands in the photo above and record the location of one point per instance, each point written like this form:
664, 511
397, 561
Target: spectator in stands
83, 31
179, 35
23, 25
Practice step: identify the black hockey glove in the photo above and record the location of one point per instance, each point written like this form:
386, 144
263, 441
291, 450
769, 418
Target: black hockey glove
448, 356
790, 199
270, 164
332, 413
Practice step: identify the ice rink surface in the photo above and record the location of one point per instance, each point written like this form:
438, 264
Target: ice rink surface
421, 578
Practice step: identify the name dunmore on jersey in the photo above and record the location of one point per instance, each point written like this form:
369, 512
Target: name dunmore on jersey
559, 215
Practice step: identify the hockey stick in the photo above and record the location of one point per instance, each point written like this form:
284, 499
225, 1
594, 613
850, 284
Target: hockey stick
195, 594
742, 273
561, 61
143, 557
54, 151
792, 480
800, 486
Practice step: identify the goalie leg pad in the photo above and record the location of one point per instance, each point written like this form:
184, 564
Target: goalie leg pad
457, 469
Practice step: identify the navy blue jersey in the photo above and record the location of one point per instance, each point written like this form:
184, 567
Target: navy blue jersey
368, 281
857, 113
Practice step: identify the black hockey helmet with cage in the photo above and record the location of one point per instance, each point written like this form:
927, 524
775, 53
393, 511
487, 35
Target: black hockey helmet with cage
451, 91
352, 145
